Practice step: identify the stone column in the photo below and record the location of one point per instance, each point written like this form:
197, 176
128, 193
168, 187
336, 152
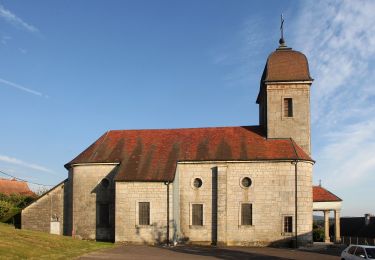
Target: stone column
337, 226
221, 204
326, 226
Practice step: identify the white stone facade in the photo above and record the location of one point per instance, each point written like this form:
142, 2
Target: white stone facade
297, 126
272, 195
128, 196
87, 193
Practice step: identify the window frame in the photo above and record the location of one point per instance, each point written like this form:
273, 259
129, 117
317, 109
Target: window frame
191, 214
240, 216
356, 253
284, 230
192, 182
352, 250
290, 107
138, 216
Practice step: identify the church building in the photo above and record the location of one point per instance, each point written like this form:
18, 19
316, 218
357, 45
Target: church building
236, 185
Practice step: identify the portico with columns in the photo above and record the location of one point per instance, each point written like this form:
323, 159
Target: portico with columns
324, 200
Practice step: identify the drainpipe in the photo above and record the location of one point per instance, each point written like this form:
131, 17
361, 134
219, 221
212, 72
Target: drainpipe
295, 203
295, 162
167, 183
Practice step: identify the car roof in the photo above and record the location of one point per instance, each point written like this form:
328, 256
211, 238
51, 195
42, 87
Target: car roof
366, 246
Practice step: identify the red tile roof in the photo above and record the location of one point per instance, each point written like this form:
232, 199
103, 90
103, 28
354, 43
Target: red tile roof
152, 155
13, 186
320, 194
282, 65
286, 65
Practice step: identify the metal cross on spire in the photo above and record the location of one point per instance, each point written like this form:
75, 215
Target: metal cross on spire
282, 41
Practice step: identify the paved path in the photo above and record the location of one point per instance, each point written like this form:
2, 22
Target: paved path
200, 252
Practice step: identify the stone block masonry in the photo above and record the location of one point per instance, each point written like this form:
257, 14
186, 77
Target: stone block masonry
46, 212
297, 126
272, 195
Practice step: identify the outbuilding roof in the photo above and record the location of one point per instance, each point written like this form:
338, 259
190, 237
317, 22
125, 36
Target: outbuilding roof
152, 155
320, 194
12, 186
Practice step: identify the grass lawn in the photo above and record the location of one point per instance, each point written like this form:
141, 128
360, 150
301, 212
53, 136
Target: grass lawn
26, 244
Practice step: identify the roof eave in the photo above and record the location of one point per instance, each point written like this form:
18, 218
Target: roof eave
301, 81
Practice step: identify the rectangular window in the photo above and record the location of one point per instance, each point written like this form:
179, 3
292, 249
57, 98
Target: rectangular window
103, 214
144, 213
197, 214
246, 214
288, 224
288, 107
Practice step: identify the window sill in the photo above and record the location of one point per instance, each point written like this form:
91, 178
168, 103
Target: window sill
143, 226
197, 227
245, 226
287, 234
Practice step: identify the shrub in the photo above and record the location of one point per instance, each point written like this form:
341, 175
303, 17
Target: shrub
318, 234
11, 205
5, 208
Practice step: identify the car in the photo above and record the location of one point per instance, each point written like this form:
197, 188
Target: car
358, 252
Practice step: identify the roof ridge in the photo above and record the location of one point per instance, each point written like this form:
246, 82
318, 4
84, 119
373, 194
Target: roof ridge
294, 148
101, 143
183, 128
329, 192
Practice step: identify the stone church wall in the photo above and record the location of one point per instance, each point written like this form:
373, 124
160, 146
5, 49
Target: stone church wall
128, 195
46, 212
271, 195
298, 126
88, 192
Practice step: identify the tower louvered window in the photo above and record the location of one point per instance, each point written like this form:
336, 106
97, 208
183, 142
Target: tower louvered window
288, 107
144, 213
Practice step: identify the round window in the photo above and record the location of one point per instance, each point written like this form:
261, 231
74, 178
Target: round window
105, 182
197, 183
246, 182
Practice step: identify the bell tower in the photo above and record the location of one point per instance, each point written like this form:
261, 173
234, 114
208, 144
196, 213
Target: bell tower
284, 96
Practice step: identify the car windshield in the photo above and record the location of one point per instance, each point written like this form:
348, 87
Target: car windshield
370, 253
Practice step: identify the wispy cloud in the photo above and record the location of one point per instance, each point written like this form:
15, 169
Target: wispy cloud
17, 86
338, 38
19, 162
241, 52
22, 50
5, 39
348, 157
15, 20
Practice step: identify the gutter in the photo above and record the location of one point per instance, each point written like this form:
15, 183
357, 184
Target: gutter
167, 184
295, 162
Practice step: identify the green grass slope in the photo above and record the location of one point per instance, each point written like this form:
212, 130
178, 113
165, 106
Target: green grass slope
26, 244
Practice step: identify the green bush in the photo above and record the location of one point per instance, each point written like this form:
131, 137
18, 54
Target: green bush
318, 234
11, 205
5, 208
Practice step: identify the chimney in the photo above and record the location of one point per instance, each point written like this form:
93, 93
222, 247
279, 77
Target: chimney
367, 219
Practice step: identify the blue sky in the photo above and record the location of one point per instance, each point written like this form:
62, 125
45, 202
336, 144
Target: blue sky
71, 70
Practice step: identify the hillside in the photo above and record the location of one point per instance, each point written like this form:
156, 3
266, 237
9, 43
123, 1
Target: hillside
21, 244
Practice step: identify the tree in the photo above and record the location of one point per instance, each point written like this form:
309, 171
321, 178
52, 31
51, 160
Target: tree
10, 205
